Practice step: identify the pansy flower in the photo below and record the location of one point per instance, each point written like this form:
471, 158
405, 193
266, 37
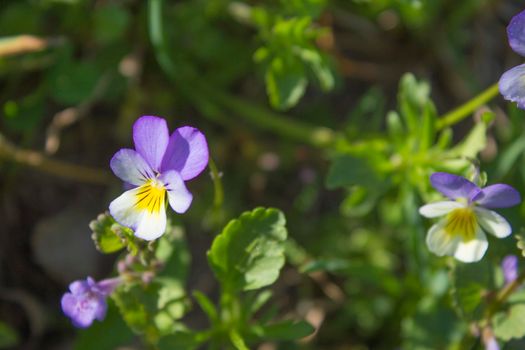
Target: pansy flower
156, 170
467, 215
512, 82
86, 300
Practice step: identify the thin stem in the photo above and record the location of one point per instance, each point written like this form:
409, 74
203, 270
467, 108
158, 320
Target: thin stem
502, 297
465, 110
217, 185
55, 167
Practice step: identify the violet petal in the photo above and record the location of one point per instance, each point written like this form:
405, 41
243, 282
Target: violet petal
79, 287
498, 196
151, 137
509, 265
516, 33
453, 186
512, 85
178, 195
187, 152
131, 167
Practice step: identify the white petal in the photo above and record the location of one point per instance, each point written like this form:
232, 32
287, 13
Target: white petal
152, 225
123, 209
472, 250
434, 210
439, 242
493, 223
147, 225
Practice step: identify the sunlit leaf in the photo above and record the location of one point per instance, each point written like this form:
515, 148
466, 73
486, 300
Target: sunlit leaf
509, 324
249, 252
285, 82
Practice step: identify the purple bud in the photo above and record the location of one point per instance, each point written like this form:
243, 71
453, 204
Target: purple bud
509, 265
147, 277
491, 344
86, 300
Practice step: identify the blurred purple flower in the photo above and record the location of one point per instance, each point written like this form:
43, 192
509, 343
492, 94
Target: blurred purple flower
461, 233
86, 300
157, 167
491, 344
509, 265
512, 82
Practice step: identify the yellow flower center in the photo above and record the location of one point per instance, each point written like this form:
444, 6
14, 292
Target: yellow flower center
151, 196
462, 222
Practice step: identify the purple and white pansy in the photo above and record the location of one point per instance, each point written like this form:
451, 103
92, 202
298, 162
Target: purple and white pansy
467, 216
156, 169
512, 82
86, 300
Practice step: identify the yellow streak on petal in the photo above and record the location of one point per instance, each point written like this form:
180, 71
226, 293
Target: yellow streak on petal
151, 197
462, 222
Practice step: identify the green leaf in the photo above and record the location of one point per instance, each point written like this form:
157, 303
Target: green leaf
347, 170
509, 324
255, 304
249, 252
430, 330
71, 82
183, 340
320, 66
412, 98
520, 237
509, 157
8, 336
110, 22
395, 127
469, 148
237, 340
152, 310
285, 82
287, 330
108, 235
172, 251
428, 132
470, 282
207, 306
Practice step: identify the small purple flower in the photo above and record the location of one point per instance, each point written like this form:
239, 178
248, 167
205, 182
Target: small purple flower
512, 82
509, 266
156, 169
461, 233
86, 300
492, 344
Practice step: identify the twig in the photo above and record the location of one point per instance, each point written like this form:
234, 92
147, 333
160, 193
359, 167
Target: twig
463, 111
71, 115
62, 169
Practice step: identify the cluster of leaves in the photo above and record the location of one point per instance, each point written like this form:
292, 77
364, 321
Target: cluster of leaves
245, 257
385, 175
289, 53
415, 146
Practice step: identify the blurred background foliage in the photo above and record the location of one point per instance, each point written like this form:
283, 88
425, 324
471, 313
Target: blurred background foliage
306, 107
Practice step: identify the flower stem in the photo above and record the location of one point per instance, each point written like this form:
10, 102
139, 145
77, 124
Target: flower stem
51, 166
502, 297
217, 185
463, 111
